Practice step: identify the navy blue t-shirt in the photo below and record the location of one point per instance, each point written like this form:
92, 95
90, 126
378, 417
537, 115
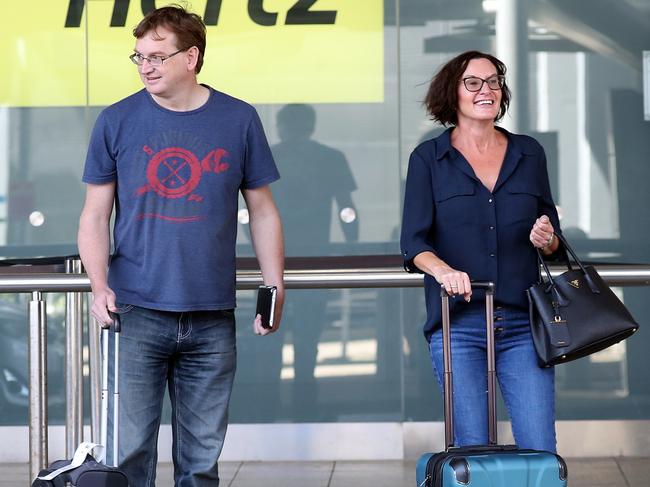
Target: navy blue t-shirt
177, 176
448, 211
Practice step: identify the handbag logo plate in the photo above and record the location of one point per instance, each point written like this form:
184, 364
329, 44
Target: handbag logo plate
575, 283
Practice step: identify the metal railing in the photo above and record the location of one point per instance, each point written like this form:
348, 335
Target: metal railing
75, 284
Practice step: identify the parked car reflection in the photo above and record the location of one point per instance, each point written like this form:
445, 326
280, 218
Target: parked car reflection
14, 364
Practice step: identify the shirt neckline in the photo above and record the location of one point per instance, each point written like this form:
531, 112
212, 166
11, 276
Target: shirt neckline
185, 112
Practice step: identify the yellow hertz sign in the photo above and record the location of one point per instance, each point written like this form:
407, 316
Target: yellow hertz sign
75, 52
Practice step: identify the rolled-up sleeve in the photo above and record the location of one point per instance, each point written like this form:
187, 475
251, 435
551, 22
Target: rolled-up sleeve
419, 212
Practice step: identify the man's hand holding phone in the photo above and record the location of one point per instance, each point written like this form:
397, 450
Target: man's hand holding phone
266, 313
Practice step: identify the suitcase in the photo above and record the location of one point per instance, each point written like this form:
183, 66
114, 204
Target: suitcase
486, 465
87, 468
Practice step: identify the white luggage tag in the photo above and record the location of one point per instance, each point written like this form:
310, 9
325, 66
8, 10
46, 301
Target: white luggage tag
95, 450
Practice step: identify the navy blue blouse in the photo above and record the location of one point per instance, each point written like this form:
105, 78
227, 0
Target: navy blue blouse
448, 211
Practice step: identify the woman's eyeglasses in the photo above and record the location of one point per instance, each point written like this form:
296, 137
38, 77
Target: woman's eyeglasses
473, 83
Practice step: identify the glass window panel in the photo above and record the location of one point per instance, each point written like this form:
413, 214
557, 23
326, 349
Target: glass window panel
336, 357
14, 364
584, 103
44, 191
585, 106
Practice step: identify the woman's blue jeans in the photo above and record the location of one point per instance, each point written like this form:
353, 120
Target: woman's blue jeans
528, 390
193, 354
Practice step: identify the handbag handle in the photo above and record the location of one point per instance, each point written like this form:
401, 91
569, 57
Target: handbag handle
592, 286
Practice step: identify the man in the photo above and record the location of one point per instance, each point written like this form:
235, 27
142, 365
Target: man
172, 158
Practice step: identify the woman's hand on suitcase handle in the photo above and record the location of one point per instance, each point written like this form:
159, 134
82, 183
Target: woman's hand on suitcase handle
455, 282
103, 303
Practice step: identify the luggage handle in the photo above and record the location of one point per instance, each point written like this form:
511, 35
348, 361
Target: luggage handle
488, 287
117, 328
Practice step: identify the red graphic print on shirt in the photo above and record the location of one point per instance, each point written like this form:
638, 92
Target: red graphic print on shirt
175, 172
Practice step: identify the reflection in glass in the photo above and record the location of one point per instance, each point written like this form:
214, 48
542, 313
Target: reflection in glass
348, 371
314, 177
585, 105
14, 372
36, 218
243, 217
348, 215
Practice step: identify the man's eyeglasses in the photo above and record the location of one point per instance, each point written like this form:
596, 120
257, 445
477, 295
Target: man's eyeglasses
472, 83
154, 60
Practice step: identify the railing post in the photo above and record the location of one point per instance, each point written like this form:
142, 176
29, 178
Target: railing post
37, 384
74, 364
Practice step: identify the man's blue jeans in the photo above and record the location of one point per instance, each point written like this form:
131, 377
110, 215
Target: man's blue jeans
528, 390
194, 355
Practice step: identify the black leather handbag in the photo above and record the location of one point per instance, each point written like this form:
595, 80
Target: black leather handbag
575, 314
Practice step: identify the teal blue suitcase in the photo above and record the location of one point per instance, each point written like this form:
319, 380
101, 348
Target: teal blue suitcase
491, 465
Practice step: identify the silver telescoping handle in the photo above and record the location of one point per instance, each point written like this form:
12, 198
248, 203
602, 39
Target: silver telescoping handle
116, 389
448, 374
103, 423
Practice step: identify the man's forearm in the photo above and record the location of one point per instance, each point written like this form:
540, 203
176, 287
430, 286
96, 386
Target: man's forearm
268, 242
266, 234
94, 243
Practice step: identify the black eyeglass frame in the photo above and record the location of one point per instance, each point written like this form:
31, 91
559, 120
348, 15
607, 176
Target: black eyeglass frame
501, 80
133, 57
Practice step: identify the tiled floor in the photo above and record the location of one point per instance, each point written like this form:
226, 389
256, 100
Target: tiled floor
583, 472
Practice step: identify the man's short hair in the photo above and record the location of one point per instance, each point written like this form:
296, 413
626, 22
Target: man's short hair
188, 27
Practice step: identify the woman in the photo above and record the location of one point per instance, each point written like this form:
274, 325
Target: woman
477, 204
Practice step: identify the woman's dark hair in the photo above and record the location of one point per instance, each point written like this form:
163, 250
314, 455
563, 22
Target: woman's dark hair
188, 27
442, 97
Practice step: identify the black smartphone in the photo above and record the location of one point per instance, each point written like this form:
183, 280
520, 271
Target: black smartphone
266, 304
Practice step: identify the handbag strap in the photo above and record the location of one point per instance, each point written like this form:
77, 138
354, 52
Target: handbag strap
592, 286
558, 298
